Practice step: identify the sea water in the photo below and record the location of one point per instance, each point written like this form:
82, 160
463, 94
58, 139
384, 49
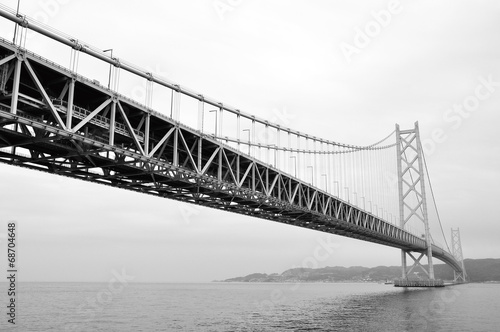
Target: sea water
253, 307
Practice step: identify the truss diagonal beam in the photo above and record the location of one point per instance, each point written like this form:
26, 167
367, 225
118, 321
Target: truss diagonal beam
7, 59
44, 94
130, 129
91, 115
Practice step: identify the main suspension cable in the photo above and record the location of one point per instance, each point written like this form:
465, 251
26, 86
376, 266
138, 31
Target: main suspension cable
435, 205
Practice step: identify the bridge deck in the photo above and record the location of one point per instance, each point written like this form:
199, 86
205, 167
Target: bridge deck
56, 121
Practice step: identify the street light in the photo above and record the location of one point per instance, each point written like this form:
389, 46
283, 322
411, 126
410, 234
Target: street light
275, 154
347, 194
109, 76
215, 131
312, 175
248, 140
295, 165
338, 188
326, 182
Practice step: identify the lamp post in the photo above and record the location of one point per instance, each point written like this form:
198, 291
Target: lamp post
275, 148
326, 182
338, 188
109, 75
312, 174
295, 165
249, 150
215, 130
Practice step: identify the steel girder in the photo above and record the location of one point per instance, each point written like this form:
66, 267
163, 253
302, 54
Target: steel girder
56, 121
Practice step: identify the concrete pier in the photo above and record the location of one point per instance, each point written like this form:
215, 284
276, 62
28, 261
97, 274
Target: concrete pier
418, 283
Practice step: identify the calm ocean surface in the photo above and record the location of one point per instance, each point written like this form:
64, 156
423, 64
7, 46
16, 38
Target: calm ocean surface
252, 307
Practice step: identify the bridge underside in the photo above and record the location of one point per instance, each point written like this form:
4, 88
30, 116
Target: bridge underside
55, 121
54, 151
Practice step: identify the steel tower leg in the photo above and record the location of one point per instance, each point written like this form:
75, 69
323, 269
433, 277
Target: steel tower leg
456, 250
401, 201
411, 189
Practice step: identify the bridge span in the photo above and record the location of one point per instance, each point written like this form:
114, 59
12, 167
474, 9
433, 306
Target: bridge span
54, 120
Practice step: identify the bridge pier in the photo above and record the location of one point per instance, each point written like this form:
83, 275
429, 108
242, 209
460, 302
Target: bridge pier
403, 264
409, 278
418, 283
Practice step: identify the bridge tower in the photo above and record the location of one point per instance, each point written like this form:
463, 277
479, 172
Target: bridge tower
412, 199
456, 250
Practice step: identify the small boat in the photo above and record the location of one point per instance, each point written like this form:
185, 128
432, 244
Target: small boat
389, 282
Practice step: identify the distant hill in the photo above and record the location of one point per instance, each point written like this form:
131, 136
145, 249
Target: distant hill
478, 270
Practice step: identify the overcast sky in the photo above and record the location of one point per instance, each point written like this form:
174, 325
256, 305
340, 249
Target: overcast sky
343, 70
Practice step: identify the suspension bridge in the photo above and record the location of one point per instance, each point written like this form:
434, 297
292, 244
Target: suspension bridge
204, 152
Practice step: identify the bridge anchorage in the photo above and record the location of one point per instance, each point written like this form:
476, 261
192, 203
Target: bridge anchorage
56, 120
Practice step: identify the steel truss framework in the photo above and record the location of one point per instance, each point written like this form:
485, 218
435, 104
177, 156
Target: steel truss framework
56, 121
412, 198
456, 250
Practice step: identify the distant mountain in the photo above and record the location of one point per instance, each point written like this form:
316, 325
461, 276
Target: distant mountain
478, 270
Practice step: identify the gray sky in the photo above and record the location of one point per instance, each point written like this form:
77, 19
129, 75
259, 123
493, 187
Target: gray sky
432, 62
